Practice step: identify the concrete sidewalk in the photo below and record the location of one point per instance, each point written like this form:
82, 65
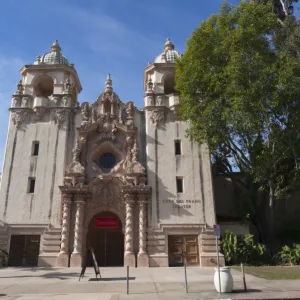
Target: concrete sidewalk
145, 283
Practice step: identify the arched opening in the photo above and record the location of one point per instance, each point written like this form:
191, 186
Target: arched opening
169, 84
44, 86
105, 236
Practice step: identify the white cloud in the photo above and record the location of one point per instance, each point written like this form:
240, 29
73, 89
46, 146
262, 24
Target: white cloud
104, 33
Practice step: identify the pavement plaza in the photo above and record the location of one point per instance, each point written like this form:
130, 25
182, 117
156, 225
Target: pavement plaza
144, 283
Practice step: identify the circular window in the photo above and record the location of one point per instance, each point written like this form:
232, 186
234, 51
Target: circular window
107, 161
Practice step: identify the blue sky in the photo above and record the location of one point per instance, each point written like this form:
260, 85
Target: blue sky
99, 36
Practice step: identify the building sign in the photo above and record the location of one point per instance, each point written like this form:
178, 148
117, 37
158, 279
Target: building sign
106, 222
177, 203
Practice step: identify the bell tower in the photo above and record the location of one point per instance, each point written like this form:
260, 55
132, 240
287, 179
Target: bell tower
38, 147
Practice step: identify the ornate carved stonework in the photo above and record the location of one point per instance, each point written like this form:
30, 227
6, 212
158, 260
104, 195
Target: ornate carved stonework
24, 102
157, 117
65, 224
107, 127
79, 202
16, 101
40, 112
18, 117
60, 116
130, 114
107, 194
75, 172
129, 202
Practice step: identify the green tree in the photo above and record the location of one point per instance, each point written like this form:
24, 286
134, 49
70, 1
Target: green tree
240, 91
282, 8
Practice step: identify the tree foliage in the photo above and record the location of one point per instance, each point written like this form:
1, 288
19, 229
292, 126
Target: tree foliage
282, 8
239, 81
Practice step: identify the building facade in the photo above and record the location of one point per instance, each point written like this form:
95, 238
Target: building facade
126, 182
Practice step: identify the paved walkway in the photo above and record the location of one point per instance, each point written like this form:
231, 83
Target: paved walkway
145, 284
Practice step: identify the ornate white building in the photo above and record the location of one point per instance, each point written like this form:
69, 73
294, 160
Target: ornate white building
106, 175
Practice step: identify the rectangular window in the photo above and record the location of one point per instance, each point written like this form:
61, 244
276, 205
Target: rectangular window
31, 185
35, 148
179, 184
177, 147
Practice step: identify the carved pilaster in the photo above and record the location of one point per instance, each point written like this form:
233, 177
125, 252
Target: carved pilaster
129, 202
79, 203
64, 245
129, 259
143, 259
142, 224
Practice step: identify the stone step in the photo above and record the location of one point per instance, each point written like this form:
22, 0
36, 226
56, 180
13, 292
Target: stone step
51, 237
205, 236
156, 249
47, 243
156, 238
209, 242
50, 248
156, 242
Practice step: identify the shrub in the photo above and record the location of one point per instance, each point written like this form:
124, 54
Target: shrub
288, 255
3, 258
242, 249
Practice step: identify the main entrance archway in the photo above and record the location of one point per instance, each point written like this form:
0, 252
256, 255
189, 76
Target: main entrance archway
105, 236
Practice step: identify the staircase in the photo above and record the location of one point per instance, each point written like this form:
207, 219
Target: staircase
157, 248
208, 251
50, 246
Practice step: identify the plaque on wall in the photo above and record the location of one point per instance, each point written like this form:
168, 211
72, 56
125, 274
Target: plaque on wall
106, 222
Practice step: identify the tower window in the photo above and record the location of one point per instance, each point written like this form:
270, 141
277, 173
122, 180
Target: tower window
177, 147
35, 148
179, 184
31, 185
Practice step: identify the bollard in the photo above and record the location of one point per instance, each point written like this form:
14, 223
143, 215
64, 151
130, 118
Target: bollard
244, 279
127, 291
185, 279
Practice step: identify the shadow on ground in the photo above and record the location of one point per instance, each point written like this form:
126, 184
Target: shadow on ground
53, 275
111, 279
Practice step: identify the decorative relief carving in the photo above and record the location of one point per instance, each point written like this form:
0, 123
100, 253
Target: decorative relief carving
130, 114
107, 127
64, 245
79, 202
16, 101
56, 100
150, 100
75, 171
24, 102
157, 117
160, 100
40, 112
142, 224
129, 202
19, 117
60, 116
106, 194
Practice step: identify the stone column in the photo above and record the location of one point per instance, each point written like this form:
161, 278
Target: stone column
129, 258
63, 256
143, 259
76, 258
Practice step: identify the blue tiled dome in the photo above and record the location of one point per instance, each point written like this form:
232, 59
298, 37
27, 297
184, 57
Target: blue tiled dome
54, 56
169, 55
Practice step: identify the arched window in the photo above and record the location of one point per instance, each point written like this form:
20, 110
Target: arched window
43, 86
169, 84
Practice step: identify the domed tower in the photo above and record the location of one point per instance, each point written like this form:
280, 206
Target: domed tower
39, 143
179, 172
161, 75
